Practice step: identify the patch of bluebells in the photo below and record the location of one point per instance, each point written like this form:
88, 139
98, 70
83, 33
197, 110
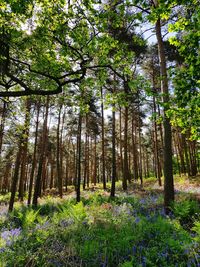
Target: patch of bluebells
66, 222
124, 209
9, 236
104, 264
55, 262
137, 220
43, 226
148, 207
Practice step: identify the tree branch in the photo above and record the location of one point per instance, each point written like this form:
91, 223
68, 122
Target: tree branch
31, 92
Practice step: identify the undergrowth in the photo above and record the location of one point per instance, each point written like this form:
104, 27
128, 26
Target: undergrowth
99, 231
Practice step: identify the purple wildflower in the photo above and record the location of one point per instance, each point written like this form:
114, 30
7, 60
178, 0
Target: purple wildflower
137, 220
134, 248
10, 235
144, 261
142, 201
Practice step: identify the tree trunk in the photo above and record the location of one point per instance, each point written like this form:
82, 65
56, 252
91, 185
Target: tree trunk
125, 171
168, 169
103, 141
24, 150
3, 118
140, 147
95, 161
42, 157
186, 155
78, 180
34, 163
157, 161
58, 161
15, 178
134, 149
112, 193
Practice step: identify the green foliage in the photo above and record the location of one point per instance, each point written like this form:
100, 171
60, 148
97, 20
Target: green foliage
196, 229
5, 198
126, 231
186, 210
185, 113
68, 211
24, 217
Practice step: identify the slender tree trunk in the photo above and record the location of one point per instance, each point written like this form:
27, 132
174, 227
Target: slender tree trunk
22, 143
103, 141
168, 169
34, 163
42, 157
186, 155
112, 193
3, 118
95, 161
7, 172
58, 161
120, 138
176, 152
24, 150
88, 164
134, 148
125, 171
15, 179
78, 180
140, 147
180, 151
157, 161
192, 154
86, 157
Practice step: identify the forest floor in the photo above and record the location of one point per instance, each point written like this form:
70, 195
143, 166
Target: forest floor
131, 230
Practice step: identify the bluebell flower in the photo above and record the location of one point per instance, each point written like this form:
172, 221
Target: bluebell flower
10, 235
144, 261
186, 251
137, 220
134, 249
2, 250
142, 201
105, 262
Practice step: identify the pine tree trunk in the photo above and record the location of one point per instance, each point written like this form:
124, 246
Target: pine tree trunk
34, 162
78, 180
120, 141
24, 150
15, 178
168, 169
134, 149
58, 162
140, 148
95, 161
38, 182
103, 141
125, 171
86, 157
3, 118
112, 193
186, 155
157, 161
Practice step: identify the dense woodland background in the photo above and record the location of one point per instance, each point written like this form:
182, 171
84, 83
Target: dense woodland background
99, 133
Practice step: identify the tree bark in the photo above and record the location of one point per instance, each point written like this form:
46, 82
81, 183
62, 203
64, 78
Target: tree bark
24, 150
103, 141
168, 169
42, 156
78, 180
34, 163
112, 193
58, 156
